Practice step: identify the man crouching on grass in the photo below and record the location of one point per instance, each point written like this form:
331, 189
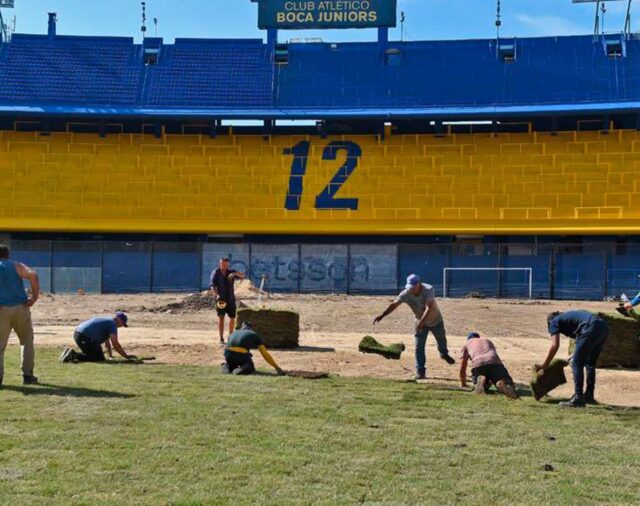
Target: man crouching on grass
237, 356
92, 334
487, 367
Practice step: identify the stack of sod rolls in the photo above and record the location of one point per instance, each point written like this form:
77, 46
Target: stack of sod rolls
279, 329
622, 349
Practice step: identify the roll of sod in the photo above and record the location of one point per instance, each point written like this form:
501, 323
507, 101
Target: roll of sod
391, 351
543, 382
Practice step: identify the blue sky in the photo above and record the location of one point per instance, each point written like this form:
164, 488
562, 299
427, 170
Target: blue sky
426, 19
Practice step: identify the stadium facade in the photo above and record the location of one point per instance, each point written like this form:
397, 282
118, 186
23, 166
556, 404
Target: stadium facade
126, 168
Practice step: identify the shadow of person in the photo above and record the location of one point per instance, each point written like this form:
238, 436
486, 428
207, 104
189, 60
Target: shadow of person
523, 390
65, 391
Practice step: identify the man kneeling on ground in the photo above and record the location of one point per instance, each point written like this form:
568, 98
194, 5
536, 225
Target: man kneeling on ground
487, 367
238, 359
92, 334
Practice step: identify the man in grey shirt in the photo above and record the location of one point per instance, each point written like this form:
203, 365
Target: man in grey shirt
421, 298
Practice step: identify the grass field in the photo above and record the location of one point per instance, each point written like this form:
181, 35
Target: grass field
157, 434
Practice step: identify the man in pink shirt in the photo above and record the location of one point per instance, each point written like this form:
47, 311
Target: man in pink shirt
487, 368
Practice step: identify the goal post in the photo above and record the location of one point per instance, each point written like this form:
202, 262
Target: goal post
447, 270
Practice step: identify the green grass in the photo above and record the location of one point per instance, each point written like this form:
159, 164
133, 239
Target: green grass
153, 434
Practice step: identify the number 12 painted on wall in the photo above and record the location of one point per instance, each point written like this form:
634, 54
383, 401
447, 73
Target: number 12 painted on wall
326, 199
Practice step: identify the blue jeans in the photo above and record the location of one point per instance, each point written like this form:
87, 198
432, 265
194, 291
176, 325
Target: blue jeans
586, 354
421, 341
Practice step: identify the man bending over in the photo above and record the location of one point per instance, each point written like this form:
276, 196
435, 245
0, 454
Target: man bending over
237, 355
92, 334
421, 298
487, 368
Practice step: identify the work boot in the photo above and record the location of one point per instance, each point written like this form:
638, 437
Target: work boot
448, 359
480, 387
29, 379
589, 398
623, 311
66, 356
507, 389
574, 402
420, 375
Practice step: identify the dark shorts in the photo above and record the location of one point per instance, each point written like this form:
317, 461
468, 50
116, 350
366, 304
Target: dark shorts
230, 310
493, 373
92, 350
238, 363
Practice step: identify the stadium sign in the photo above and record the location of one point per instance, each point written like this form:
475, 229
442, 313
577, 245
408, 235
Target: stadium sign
305, 14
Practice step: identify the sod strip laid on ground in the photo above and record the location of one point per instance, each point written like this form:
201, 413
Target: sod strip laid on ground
156, 434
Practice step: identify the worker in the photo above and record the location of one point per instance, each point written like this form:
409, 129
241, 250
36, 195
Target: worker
15, 311
421, 298
221, 282
92, 334
487, 368
590, 333
237, 355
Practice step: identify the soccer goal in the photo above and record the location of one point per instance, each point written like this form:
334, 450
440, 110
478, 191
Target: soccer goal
509, 278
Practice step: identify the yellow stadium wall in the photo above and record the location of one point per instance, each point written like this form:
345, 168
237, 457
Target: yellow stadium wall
576, 182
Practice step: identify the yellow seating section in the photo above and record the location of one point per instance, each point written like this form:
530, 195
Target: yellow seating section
572, 182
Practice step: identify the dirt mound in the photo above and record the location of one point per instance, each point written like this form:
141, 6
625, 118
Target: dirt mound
247, 290
190, 304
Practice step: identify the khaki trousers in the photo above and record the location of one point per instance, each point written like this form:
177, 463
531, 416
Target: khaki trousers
17, 318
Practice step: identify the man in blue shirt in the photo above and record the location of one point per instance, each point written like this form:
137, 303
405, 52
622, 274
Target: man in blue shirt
15, 311
590, 332
92, 334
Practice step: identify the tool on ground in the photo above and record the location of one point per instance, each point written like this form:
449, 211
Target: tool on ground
263, 280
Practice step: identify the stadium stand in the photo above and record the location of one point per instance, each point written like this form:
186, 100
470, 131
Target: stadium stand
212, 73
564, 72
237, 77
120, 176
469, 183
70, 70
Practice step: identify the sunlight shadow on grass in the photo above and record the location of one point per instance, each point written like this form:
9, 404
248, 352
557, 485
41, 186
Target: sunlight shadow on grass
64, 391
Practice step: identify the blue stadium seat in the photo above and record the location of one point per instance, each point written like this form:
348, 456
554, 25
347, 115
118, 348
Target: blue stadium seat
70, 70
221, 74
212, 73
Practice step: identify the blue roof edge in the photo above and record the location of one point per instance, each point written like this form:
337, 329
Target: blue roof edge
486, 112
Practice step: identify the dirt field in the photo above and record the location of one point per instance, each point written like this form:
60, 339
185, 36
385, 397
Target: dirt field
332, 325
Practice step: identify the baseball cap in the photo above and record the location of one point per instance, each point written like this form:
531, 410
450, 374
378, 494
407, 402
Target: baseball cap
412, 280
473, 335
123, 317
224, 259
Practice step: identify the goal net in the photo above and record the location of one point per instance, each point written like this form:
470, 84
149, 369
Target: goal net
507, 282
